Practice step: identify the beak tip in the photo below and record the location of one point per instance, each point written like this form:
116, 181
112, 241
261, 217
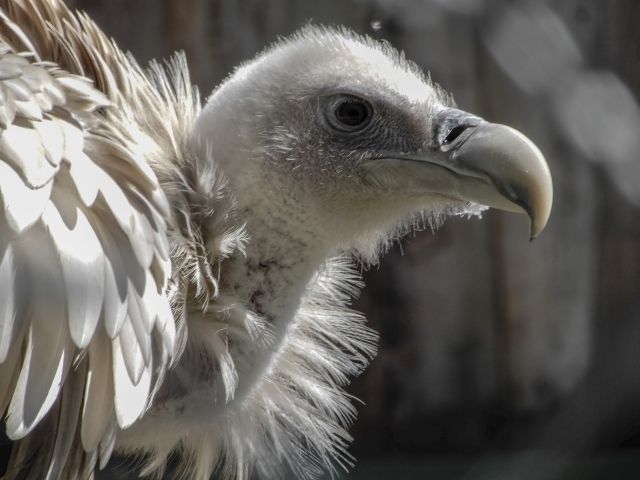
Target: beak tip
524, 177
538, 223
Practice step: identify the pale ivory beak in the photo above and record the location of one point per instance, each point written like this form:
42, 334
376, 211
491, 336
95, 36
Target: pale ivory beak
491, 164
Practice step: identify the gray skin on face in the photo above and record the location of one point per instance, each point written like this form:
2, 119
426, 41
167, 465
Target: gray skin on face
302, 136
335, 154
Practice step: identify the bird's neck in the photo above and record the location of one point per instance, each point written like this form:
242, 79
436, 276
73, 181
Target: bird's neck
285, 249
282, 254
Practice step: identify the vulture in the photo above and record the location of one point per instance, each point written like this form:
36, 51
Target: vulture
175, 278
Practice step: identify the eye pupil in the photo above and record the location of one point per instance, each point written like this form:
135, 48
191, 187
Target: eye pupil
352, 113
347, 113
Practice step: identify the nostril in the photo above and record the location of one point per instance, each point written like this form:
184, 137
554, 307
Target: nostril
452, 128
454, 133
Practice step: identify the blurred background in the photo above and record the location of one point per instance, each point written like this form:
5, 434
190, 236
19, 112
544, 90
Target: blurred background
499, 359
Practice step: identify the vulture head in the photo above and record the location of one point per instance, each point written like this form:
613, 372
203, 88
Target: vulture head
343, 138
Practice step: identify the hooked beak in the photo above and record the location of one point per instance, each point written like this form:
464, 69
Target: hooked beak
494, 165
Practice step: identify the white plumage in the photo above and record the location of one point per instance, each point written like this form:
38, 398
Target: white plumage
174, 280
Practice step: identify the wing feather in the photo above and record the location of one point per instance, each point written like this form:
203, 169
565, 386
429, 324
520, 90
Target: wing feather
51, 133
97, 410
85, 176
7, 109
107, 443
8, 71
131, 395
114, 307
127, 351
48, 346
166, 327
86, 330
157, 224
22, 148
10, 307
14, 84
116, 201
82, 262
11, 364
19, 34
141, 239
69, 405
22, 206
142, 324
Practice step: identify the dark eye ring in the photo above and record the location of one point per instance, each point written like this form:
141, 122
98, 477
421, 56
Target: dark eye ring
348, 113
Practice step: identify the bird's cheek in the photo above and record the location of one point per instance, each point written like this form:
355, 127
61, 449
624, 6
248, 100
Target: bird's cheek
413, 178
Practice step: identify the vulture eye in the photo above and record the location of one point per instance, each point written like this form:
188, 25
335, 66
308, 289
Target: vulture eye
349, 114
